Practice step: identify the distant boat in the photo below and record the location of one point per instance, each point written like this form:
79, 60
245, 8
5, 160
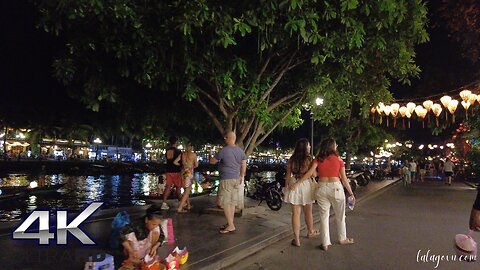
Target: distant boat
44, 190
31, 191
10, 197
13, 189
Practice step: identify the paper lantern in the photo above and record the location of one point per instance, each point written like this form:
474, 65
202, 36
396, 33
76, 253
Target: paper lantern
403, 110
380, 108
466, 105
465, 95
387, 110
419, 110
408, 115
395, 107
172, 262
472, 99
452, 107
478, 98
372, 110
411, 107
428, 105
437, 110
445, 100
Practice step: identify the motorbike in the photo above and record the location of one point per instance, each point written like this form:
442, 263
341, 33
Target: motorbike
269, 190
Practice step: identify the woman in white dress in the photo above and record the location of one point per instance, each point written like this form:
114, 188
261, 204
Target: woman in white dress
300, 195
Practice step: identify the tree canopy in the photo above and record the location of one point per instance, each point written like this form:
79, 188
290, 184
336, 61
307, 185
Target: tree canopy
250, 65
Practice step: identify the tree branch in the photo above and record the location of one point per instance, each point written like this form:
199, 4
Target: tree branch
282, 101
216, 122
284, 69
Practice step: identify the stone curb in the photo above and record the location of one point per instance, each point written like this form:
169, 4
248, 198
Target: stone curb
254, 245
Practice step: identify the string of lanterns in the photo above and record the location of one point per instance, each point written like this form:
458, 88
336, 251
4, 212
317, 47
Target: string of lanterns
468, 99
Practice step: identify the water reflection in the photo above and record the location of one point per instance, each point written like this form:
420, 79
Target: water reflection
113, 190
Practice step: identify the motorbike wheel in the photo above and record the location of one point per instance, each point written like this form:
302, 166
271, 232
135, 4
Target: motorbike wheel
274, 200
362, 181
353, 185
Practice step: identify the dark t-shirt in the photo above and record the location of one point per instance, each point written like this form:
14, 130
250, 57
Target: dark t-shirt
171, 154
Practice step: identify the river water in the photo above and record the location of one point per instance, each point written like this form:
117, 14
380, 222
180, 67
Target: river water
78, 191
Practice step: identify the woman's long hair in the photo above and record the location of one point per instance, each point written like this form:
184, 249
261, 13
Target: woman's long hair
300, 157
327, 148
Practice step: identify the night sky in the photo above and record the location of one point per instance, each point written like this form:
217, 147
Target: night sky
28, 91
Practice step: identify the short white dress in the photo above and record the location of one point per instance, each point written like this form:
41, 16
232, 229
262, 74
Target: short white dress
303, 194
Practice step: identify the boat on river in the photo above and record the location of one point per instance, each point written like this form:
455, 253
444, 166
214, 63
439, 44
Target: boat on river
30, 191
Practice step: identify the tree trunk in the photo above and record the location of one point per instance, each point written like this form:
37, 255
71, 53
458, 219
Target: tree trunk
348, 160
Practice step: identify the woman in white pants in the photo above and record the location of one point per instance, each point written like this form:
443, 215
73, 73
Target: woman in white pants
331, 171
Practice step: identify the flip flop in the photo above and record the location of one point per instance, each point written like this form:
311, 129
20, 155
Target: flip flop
294, 243
347, 241
223, 227
323, 247
314, 234
225, 231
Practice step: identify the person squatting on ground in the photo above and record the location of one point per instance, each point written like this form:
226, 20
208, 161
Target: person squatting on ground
300, 194
142, 237
173, 176
331, 171
232, 164
189, 162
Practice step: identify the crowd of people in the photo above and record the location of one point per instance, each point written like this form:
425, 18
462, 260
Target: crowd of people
308, 180
442, 169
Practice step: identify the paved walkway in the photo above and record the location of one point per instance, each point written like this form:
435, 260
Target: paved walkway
258, 228
392, 230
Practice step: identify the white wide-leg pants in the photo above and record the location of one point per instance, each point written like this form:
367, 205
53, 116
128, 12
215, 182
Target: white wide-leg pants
331, 194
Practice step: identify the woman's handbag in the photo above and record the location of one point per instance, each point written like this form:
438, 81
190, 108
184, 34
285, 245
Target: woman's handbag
475, 220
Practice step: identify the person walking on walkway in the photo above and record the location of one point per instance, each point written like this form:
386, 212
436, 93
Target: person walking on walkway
406, 174
189, 163
232, 165
300, 194
413, 170
448, 170
331, 175
173, 177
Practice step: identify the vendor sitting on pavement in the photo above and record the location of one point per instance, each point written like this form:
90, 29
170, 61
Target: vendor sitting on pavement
142, 237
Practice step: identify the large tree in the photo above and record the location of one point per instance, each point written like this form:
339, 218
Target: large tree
250, 65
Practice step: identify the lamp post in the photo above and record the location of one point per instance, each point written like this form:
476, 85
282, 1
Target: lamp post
97, 141
318, 102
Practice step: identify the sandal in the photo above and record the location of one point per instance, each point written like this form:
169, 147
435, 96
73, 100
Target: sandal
323, 247
182, 211
314, 234
294, 243
225, 231
347, 241
223, 227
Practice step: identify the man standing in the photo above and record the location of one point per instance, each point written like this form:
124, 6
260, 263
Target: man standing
232, 165
448, 169
173, 177
413, 170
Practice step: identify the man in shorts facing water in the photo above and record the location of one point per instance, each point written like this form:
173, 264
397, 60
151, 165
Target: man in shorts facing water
232, 163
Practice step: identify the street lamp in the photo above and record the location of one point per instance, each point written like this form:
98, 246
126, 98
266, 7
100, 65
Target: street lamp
318, 102
97, 141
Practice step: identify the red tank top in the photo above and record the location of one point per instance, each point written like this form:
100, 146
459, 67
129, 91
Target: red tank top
329, 167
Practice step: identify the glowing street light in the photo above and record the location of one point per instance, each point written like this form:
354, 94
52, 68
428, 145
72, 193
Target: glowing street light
97, 141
